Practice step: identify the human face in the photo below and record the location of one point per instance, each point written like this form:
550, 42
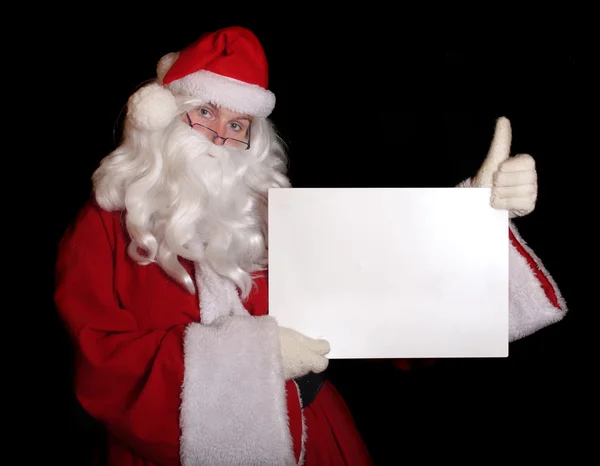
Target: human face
220, 125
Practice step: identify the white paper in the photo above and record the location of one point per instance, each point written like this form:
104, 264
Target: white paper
391, 272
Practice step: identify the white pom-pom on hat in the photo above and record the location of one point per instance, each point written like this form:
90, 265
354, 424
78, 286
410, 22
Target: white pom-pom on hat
152, 107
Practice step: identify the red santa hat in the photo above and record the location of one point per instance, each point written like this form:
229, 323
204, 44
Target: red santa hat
227, 67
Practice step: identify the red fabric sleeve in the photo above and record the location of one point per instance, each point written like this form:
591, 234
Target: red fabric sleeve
127, 378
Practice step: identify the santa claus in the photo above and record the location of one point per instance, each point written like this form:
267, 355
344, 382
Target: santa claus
162, 277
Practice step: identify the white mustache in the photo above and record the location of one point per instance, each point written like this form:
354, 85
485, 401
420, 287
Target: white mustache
222, 170
208, 147
217, 151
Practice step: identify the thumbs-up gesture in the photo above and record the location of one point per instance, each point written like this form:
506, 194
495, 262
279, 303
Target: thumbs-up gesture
513, 179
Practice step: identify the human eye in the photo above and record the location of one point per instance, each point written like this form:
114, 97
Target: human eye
205, 112
236, 127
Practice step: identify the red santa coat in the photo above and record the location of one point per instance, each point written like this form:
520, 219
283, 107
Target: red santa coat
176, 382
172, 390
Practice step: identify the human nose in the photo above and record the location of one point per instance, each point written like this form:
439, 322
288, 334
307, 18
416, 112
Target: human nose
217, 129
218, 140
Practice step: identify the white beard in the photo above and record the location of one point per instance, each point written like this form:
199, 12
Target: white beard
194, 200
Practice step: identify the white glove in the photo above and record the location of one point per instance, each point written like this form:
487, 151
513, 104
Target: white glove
513, 179
302, 354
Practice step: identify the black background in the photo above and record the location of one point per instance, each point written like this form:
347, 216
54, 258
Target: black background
364, 98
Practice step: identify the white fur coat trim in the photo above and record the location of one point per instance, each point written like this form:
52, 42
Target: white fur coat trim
530, 309
304, 432
234, 406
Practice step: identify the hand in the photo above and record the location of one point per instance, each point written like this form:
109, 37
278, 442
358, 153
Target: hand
513, 179
302, 354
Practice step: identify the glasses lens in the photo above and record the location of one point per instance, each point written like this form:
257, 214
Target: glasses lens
206, 132
235, 144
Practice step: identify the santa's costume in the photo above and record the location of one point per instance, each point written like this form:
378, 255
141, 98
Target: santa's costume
195, 376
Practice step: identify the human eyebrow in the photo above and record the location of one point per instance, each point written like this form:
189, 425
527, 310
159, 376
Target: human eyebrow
213, 109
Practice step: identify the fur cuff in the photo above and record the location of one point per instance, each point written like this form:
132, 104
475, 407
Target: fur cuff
234, 408
534, 297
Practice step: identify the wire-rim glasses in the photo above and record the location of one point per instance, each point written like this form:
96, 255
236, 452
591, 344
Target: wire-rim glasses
236, 143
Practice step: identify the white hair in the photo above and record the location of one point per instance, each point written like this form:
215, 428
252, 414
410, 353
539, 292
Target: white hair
186, 197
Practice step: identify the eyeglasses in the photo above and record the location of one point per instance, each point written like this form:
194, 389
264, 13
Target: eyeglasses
212, 135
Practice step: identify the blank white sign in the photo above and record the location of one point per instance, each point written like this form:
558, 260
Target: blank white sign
391, 272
